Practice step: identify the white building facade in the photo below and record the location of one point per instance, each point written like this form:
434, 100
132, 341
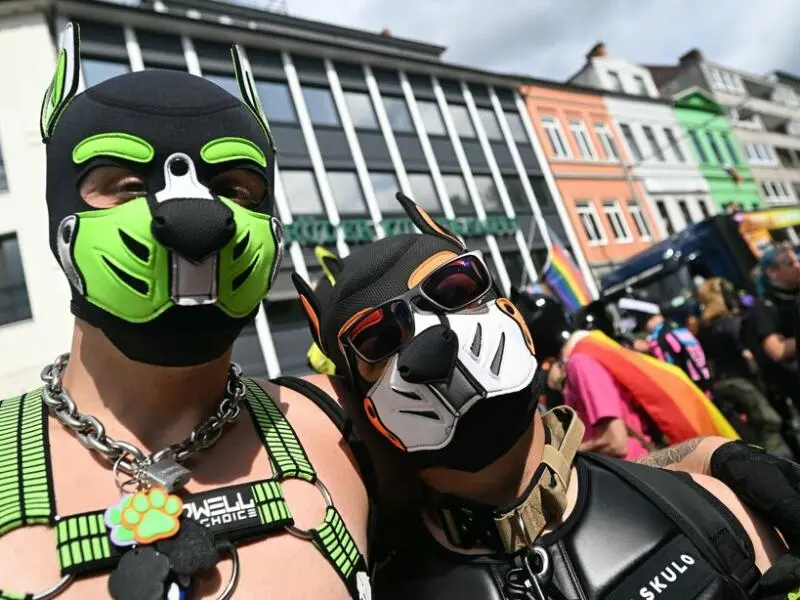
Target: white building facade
357, 117
661, 155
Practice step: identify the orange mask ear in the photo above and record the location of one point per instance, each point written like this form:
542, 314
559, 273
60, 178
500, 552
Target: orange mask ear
310, 307
425, 222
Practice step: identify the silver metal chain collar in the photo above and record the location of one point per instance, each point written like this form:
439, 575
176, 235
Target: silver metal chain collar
126, 457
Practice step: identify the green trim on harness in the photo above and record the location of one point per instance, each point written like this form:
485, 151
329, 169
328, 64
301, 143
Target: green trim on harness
289, 459
82, 541
25, 478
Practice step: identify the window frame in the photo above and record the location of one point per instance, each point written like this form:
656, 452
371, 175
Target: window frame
638, 217
616, 219
552, 127
585, 209
607, 141
581, 134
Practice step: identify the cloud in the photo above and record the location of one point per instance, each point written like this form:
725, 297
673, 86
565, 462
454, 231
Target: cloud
549, 38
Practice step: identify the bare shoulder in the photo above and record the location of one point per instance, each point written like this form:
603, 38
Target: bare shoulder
766, 542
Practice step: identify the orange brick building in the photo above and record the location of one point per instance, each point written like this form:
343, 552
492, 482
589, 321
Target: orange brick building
608, 209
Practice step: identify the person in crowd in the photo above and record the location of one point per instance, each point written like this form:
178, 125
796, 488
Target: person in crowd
440, 373
735, 375
155, 459
771, 334
677, 346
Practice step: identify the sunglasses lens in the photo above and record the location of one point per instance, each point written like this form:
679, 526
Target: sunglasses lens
382, 331
458, 283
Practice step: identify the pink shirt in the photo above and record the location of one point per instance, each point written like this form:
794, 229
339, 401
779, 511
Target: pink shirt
592, 392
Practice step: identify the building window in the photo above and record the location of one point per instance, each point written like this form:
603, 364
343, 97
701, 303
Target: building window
582, 139
97, 71
617, 221
14, 303
673, 143
458, 194
590, 221
362, 114
712, 141
556, 137
290, 335
651, 139
347, 193
726, 139
431, 117
488, 194
399, 117
698, 146
641, 86
777, 192
385, 187
277, 101
637, 214
461, 120
703, 208
541, 192
302, 194
607, 141
517, 127
490, 124
614, 81
635, 151
664, 214
227, 83
684, 208
321, 108
515, 267
516, 193
424, 193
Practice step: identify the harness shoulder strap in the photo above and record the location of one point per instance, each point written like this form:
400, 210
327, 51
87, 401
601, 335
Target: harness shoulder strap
343, 423
715, 533
331, 537
26, 479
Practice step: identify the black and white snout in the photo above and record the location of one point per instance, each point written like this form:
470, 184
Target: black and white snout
430, 357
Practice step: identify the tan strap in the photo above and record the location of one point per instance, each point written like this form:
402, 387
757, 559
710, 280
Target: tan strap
547, 498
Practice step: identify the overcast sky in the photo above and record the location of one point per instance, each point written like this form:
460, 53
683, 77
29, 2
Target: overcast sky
549, 38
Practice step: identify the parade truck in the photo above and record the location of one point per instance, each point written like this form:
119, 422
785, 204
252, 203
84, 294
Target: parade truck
727, 246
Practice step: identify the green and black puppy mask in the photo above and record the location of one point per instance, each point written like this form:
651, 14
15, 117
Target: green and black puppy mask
174, 269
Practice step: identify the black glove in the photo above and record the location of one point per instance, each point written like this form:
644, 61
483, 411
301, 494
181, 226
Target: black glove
781, 581
768, 484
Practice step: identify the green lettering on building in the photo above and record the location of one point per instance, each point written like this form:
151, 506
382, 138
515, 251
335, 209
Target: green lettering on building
312, 232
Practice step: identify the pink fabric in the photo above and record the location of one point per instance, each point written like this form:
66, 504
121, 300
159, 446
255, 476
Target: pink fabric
593, 393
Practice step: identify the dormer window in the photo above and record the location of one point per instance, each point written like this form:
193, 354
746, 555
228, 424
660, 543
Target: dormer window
641, 86
614, 81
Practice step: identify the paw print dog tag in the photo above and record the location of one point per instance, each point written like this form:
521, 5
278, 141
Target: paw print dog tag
144, 518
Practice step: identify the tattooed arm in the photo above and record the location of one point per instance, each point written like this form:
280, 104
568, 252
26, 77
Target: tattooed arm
691, 456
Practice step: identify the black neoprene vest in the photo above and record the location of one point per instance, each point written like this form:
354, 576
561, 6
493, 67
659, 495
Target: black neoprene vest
616, 545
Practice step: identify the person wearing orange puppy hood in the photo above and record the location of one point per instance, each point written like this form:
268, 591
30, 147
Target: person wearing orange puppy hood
439, 372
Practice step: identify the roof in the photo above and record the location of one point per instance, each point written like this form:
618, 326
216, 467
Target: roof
583, 89
663, 74
785, 77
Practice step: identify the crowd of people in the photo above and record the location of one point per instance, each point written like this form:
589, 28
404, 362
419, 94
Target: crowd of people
419, 462
738, 351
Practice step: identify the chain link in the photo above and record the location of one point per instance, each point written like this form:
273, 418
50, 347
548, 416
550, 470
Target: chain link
126, 457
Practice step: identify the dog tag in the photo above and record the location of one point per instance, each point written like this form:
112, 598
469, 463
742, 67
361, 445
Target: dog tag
168, 474
140, 575
191, 550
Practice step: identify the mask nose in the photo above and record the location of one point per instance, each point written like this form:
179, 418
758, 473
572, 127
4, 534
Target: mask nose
430, 357
195, 228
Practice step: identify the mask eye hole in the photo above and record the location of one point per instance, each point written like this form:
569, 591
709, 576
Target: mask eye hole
109, 186
246, 188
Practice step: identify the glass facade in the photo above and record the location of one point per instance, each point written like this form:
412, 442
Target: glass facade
319, 164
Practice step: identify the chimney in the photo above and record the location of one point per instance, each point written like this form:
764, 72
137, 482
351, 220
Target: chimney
597, 51
386, 31
692, 56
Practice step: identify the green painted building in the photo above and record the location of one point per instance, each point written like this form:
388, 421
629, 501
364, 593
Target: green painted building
716, 151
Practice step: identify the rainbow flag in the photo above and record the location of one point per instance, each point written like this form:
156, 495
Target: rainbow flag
675, 405
562, 276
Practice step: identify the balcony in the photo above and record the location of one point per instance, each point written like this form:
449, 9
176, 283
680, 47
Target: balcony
768, 107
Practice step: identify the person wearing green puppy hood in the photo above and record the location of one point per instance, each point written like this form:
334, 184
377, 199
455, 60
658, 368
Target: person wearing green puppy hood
161, 471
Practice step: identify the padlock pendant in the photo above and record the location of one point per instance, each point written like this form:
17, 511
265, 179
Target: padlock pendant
167, 473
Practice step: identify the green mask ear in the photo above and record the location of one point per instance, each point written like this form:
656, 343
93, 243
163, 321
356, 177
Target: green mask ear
330, 263
64, 85
247, 87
